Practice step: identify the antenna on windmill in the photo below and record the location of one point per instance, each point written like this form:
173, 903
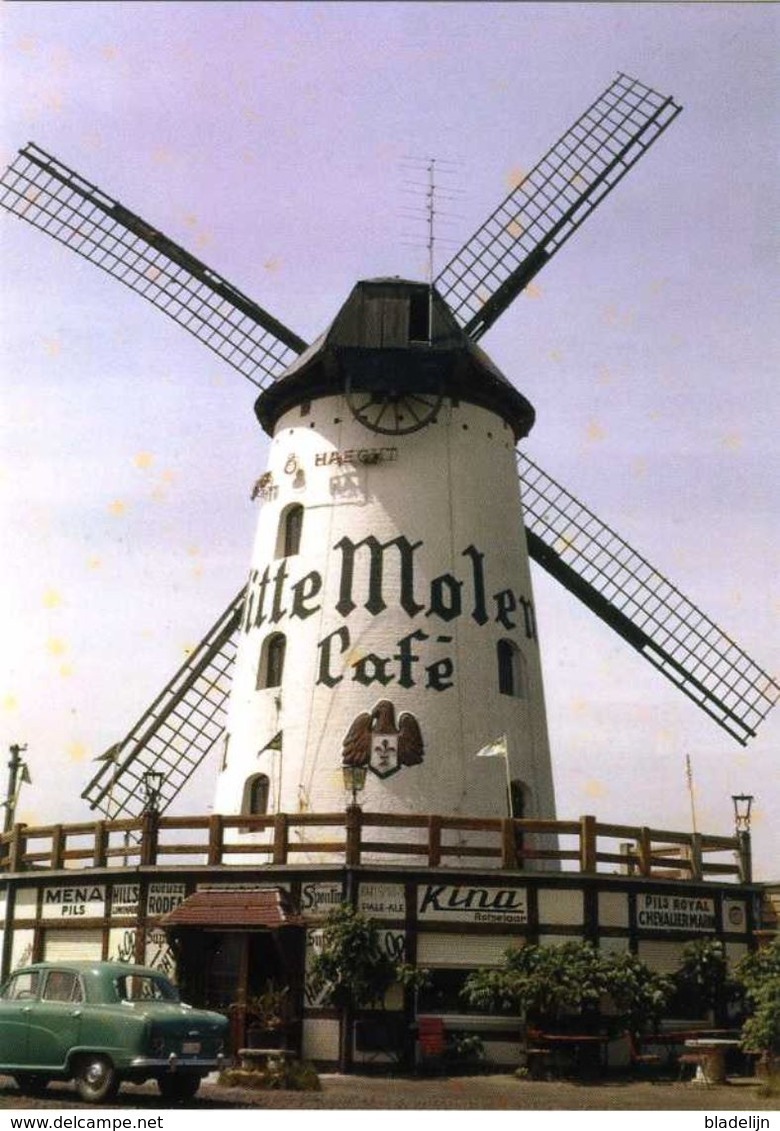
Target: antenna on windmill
430, 212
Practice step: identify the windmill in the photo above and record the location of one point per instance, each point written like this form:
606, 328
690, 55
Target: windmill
186, 721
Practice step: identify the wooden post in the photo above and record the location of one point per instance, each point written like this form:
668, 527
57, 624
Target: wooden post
353, 824
434, 841
645, 848
16, 848
57, 845
101, 843
280, 838
587, 844
508, 844
148, 838
745, 857
697, 870
215, 839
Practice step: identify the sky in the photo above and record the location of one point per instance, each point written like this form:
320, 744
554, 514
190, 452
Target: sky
273, 141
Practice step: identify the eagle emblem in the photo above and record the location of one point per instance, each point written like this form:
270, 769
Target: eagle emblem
374, 741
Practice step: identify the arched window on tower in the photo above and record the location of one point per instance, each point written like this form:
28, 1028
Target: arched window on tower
271, 667
512, 678
288, 541
256, 795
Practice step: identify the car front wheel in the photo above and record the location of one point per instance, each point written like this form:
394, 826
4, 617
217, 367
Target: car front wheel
96, 1079
179, 1086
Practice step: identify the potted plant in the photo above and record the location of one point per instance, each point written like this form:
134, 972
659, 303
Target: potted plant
266, 1015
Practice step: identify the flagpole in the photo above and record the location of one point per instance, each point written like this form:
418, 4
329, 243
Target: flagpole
499, 748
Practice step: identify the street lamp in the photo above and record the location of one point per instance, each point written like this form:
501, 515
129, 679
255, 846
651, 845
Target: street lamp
354, 781
742, 805
153, 783
18, 775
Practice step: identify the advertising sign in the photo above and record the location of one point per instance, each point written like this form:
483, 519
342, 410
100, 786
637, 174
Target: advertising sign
467, 903
659, 912
77, 901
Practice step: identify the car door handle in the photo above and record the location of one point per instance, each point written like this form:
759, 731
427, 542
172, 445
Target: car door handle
76, 1013
26, 1009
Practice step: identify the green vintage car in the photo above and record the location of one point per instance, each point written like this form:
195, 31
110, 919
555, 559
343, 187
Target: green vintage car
100, 1023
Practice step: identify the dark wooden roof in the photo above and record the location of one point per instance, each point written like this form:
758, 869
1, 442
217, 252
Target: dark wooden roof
258, 907
372, 334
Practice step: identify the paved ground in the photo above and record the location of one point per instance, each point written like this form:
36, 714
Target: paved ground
498, 1092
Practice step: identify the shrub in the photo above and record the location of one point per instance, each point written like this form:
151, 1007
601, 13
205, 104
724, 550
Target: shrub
546, 983
351, 969
702, 981
279, 1075
759, 974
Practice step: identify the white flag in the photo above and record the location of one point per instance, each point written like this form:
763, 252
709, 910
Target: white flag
496, 749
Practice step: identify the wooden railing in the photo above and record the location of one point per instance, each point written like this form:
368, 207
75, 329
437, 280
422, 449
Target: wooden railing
584, 846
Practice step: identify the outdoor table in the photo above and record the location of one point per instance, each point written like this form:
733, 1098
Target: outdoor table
712, 1067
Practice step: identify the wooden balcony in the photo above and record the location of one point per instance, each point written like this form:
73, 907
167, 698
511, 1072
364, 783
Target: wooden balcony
353, 837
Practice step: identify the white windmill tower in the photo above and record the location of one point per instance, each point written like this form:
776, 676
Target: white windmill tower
389, 621
442, 658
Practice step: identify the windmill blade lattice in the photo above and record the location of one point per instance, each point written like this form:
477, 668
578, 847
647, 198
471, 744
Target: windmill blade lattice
622, 588
177, 732
47, 194
552, 202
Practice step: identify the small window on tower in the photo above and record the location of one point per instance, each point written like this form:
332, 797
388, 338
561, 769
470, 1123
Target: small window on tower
256, 794
271, 668
288, 541
511, 669
420, 316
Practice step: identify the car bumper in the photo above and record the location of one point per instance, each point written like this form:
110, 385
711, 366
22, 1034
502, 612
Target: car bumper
174, 1063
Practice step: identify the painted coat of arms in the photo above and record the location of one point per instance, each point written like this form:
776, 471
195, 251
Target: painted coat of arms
374, 741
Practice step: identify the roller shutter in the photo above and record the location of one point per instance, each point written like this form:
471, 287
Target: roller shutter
72, 946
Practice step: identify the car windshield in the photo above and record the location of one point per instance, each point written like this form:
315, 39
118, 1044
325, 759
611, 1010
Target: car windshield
145, 987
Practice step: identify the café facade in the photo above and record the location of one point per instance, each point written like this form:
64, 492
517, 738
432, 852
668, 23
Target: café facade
227, 920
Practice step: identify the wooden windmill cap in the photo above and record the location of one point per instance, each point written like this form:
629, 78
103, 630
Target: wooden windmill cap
395, 334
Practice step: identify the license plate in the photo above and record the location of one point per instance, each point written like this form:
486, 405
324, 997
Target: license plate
190, 1048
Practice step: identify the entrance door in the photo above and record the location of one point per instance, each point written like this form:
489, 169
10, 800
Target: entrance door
225, 959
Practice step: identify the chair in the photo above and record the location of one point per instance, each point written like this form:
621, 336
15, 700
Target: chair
696, 1060
537, 1054
638, 1058
430, 1037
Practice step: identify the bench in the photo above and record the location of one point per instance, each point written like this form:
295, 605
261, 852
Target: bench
254, 1059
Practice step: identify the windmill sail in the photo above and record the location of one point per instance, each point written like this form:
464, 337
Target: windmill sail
552, 202
47, 194
177, 732
621, 587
